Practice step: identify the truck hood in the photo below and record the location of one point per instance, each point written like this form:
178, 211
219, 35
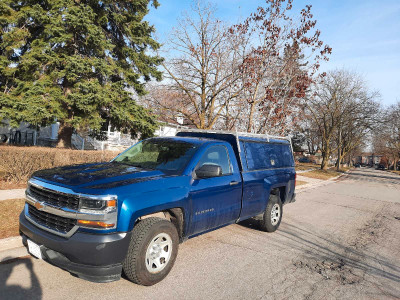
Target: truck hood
98, 175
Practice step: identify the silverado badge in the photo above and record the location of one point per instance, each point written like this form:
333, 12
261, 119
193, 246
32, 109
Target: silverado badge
39, 206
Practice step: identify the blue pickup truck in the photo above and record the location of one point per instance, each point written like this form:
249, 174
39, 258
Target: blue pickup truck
129, 215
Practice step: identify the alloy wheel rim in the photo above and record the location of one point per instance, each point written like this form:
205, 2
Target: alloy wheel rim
158, 253
275, 214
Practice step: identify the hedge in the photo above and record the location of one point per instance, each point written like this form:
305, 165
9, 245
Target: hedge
18, 163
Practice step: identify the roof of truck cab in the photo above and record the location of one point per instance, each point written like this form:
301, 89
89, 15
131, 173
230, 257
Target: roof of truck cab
191, 140
257, 139
231, 137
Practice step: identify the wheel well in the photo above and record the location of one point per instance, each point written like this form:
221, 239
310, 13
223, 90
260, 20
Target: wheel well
174, 215
281, 191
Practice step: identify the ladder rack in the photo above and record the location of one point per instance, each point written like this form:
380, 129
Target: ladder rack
237, 134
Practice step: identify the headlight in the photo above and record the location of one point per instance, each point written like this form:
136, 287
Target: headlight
95, 204
105, 207
98, 206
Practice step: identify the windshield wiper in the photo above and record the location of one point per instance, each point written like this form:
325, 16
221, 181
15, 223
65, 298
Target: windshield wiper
135, 165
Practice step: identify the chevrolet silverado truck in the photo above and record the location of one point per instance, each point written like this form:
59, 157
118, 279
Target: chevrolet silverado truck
130, 215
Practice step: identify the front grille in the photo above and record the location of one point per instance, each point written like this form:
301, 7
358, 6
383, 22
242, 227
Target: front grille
54, 198
57, 223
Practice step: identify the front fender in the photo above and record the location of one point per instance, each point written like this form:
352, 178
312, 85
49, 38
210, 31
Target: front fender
150, 202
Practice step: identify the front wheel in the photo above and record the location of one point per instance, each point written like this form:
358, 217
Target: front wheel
273, 214
152, 251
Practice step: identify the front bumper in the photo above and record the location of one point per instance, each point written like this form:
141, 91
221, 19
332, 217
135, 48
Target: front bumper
94, 257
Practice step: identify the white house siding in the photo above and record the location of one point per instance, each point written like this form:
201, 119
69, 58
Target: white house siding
166, 130
48, 136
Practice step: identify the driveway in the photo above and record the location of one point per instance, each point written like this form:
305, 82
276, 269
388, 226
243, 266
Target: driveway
341, 240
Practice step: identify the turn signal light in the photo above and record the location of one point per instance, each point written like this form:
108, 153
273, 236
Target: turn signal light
111, 203
95, 224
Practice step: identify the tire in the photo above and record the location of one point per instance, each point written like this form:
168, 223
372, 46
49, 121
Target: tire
152, 251
3, 138
273, 214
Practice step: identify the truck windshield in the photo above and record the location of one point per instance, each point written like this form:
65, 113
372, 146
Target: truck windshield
157, 154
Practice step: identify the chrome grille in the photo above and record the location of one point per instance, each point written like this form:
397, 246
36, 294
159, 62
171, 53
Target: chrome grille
54, 198
57, 223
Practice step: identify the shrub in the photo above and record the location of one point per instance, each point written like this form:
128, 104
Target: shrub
18, 163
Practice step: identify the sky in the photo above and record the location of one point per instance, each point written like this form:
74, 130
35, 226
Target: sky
364, 35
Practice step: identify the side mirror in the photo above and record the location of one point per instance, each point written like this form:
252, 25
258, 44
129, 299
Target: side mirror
208, 171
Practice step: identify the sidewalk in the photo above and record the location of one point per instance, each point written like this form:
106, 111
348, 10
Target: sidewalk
314, 182
12, 194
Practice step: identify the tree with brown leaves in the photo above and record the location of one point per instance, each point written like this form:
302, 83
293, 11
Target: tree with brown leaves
283, 57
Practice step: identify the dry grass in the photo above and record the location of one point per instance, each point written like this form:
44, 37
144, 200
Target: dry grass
306, 166
300, 182
9, 216
18, 163
394, 172
321, 174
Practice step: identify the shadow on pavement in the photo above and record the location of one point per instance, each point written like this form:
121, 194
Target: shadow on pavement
13, 291
355, 173
318, 250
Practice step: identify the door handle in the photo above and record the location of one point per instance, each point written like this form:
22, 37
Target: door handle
234, 183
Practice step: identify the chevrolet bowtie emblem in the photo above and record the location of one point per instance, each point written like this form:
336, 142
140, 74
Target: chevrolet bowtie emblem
39, 206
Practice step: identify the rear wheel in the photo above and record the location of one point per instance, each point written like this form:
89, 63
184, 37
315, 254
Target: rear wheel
152, 251
273, 214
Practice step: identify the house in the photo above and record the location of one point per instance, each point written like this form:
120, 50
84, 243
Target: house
27, 134
369, 158
108, 138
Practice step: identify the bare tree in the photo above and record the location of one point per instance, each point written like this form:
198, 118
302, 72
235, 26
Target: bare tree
276, 73
344, 111
250, 76
387, 137
202, 73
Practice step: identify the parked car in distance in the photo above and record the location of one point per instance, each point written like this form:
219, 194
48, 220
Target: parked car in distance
381, 167
304, 159
357, 165
129, 215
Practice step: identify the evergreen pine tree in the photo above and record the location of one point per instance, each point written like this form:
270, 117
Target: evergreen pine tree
77, 61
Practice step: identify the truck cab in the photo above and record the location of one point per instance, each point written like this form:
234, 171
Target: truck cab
130, 215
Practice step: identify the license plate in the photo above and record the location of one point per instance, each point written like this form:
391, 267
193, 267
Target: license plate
34, 249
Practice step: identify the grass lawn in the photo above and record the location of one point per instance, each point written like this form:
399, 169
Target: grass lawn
395, 172
306, 166
321, 174
9, 216
300, 182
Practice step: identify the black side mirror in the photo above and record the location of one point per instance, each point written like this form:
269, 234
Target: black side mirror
208, 171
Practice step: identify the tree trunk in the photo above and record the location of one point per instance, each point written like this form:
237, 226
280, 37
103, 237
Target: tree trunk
338, 162
325, 158
64, 136
339, 158
250, 124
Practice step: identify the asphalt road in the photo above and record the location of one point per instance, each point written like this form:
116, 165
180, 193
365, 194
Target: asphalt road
341, 240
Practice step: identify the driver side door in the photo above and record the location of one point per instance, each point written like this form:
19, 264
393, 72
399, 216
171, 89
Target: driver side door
216, 201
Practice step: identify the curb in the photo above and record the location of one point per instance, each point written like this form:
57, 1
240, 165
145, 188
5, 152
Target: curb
310, 186
304, 171
11, 248
10, 243
12, 194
